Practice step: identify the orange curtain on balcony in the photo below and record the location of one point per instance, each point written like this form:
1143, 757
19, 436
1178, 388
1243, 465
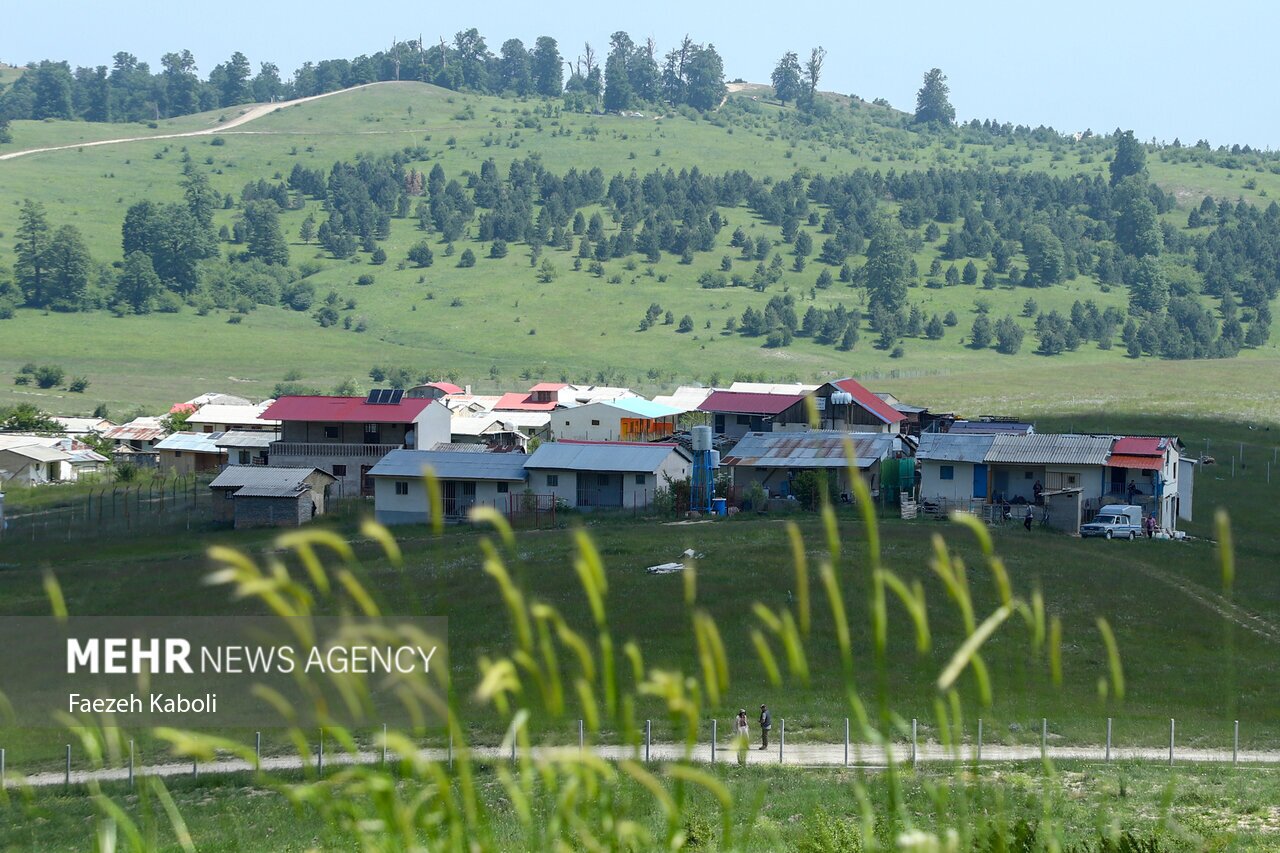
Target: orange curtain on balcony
643, 429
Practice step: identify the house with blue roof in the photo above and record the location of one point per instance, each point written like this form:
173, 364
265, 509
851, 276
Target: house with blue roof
605, 474
467, 480
622, 419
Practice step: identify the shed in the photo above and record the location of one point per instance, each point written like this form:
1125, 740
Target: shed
262, 496
773, 459
190, 452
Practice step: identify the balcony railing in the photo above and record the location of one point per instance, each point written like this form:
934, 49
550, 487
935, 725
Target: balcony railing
354, 451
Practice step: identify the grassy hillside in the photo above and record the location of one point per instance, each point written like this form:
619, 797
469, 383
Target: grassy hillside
496, 318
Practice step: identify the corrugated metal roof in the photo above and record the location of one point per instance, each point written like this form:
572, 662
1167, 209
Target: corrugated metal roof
640, 406
749, 403
686, 398
344, 410
38, 453
270, 491
622, 456
1138, 463
192, 442
451, 465
1140, 446
812, 449
869, 401
519, 401
1050, 449
244, 438
946, 447
215, 413
138, 429
991, 428
264, 477
772, 387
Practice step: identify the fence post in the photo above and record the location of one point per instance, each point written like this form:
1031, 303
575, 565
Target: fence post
713, 740
648, 738
846, 741
1171, 730
1044, 738
782, 738
67, 778
914, 745
1235, 746
978, 758
1108, 756
2, 785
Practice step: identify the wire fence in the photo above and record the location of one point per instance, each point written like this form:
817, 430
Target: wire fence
113, 509
277, 750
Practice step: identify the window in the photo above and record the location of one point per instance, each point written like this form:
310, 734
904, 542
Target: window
333, 432
244, 457
1028, 475
640, 479
228, 494
744, 420
502, 488
947, 472
402, 487
566, 423
553, 480
1071, 479
177, 453
208, 427
339, 470
595, 423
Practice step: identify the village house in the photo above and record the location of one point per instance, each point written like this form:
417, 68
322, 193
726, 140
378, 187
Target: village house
686, 398
774, 459
435, 391
186, 453
604, 474
736, 413
245, 447
253, 496
346, 436
620, 419
493, 430
218, 417
41, 459
136, 441
845, 405
466, 480
966, 470
77, 427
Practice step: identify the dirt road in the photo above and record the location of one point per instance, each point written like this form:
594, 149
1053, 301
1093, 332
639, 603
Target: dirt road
247, 114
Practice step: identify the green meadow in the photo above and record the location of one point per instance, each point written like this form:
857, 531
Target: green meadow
496, 326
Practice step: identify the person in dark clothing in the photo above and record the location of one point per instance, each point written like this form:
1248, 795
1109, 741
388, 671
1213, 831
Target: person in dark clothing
766, 723
1026, 521
1132, 490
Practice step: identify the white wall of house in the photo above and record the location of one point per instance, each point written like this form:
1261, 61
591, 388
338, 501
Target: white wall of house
593, 422
412, 507
432, 426
934, 485
621, 489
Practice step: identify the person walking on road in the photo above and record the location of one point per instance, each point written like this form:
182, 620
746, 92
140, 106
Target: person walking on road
766, 723
1026, 521
744, 736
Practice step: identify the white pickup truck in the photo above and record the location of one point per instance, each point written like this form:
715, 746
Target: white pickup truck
1115, 521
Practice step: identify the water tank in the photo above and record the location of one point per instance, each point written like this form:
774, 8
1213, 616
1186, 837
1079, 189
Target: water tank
715, 459
701, 438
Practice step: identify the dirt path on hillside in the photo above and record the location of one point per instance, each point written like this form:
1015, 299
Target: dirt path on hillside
1220, 604
254, 111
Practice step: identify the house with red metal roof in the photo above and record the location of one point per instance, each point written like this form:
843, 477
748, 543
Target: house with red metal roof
846, 405
736, 413
347, 436
1151, 471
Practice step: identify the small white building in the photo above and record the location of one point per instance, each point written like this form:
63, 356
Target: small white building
466, 480
602, 474
219, 417
621, 419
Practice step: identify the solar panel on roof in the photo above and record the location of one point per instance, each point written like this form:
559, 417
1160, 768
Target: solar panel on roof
385, 396
395, 395
373, 396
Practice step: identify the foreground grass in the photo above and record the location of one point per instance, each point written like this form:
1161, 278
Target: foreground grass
1184, 809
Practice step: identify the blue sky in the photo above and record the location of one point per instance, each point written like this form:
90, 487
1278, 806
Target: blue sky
1169, 69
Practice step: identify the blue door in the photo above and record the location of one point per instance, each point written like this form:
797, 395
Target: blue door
979, 481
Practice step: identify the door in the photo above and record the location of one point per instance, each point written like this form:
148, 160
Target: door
366, 482
719, 427
468, 498
450, 498
979, 481
1001, 482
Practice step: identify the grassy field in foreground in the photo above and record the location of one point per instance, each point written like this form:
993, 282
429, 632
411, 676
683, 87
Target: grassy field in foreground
497, 319
1185, 809
1158, 597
